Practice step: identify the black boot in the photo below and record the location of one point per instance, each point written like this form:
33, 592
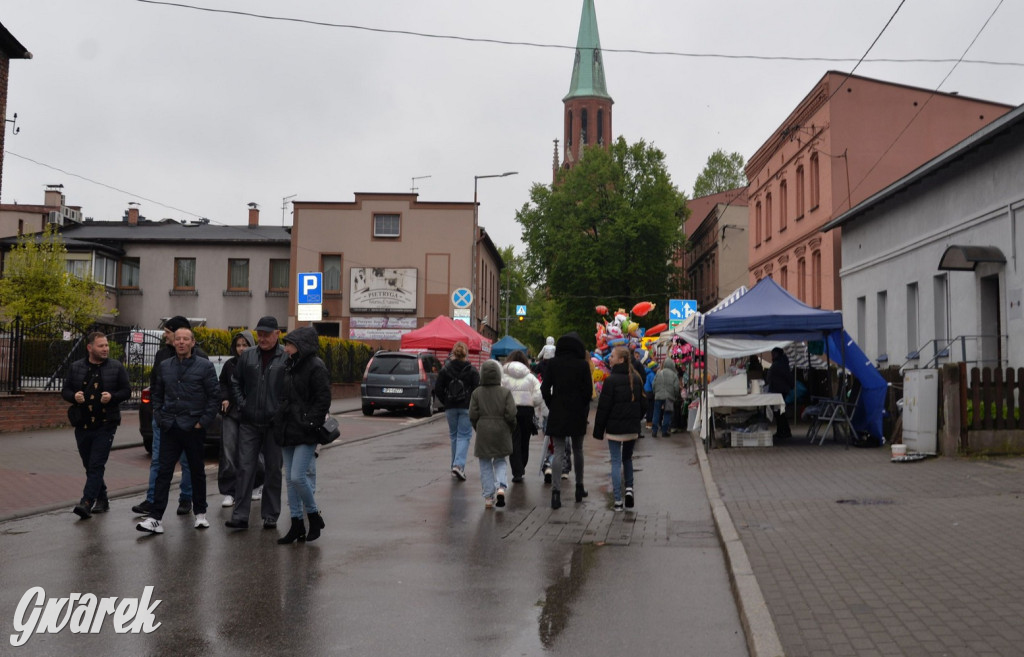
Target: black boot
316, 523
581, 492
296, 533
556, 499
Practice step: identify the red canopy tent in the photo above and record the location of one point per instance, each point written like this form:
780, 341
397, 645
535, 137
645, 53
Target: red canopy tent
440, 335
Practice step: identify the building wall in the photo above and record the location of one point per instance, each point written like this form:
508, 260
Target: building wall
855, 132
211, 299
435, 240
898, 245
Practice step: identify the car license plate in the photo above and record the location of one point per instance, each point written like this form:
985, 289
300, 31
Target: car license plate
393, 391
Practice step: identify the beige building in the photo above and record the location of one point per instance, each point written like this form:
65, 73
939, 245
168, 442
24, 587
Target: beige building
715, 259
391, 263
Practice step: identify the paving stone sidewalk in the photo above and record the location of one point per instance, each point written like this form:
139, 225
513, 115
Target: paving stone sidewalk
857, 555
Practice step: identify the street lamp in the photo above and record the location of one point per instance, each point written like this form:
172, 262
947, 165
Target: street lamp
476, 240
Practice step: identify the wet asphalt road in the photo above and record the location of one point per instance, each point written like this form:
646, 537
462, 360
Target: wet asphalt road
410, 564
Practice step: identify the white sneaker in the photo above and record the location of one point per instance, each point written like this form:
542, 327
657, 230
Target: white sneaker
257, 494
228, 500
201, 521
151, 526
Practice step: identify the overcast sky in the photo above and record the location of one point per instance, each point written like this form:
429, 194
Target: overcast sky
193, 113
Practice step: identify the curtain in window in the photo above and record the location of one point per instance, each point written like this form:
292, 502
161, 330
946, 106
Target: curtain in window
332, 272
185, 276
279, 274
238, 274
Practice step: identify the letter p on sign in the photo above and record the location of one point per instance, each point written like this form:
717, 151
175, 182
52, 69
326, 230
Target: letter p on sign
311, 287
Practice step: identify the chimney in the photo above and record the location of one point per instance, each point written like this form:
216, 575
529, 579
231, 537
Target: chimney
254, 215
133, 214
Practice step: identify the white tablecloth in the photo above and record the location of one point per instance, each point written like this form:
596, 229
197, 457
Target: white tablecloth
772, 400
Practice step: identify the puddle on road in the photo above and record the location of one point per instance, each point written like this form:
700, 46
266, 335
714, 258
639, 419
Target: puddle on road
556, 606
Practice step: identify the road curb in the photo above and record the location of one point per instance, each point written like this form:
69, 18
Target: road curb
762, 637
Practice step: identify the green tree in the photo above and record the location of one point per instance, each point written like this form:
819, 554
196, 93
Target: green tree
722, 172
605, 232
37, 286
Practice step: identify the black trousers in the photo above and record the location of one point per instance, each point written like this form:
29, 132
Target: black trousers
521, 440
172, 443
94, 448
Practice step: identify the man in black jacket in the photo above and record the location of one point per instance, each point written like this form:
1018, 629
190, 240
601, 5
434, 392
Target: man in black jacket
185, 494
186, 398
96, 386
256, 389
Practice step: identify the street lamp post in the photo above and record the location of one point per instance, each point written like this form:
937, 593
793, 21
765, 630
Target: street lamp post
476, 241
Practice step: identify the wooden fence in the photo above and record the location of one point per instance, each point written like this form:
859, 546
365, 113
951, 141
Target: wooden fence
994, 399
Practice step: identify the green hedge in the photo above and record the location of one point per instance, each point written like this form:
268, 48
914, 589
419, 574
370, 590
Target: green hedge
991, 411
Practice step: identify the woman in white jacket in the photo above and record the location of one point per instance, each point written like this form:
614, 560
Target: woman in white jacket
517, 378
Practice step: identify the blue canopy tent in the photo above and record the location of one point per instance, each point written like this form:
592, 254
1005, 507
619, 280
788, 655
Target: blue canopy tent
505, 346
769, 312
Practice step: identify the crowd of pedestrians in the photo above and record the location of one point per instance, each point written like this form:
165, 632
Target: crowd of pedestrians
273, 396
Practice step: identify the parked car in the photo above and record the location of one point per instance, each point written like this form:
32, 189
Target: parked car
400, 380
213, 434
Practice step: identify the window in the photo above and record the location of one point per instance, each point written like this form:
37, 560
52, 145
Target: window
184, 273
568, 129
862, 320
799, 192
387, 225
330, 265
238, 274
816, 279
815, 182
767, 217
583, 127
881, 301
940, 297
77, 268
130, 272
784, 277
279, 274
757, 224
105, 271
600, 127
801, 279
783, 204
912, 332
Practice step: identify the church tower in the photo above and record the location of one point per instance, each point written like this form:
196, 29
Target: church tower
588, 107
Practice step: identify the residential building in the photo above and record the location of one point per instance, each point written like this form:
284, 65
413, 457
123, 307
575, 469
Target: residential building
21, 219
226, 275
10, 49
587, 108
931, 261
715, 258
390, 263
848, 138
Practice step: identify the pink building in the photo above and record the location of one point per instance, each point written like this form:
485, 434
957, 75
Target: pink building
848, 138
715, 258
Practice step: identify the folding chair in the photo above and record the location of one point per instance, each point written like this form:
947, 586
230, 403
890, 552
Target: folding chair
837, 414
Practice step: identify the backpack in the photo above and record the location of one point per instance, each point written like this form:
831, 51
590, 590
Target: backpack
457, 392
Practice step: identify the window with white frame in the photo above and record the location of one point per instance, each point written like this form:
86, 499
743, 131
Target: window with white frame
387, 225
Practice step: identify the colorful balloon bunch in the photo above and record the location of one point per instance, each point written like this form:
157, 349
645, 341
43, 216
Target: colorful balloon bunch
618, 330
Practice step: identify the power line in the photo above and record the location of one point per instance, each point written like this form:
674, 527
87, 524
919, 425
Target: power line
534, 44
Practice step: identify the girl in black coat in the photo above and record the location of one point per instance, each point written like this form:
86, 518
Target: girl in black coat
568, 387
305, 402
620, 409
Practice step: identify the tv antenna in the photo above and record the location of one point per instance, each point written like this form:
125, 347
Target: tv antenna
414, 179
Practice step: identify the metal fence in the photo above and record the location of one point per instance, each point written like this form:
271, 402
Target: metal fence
37, 357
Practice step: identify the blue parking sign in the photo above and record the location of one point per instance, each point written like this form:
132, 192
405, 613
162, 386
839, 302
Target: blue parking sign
311, 287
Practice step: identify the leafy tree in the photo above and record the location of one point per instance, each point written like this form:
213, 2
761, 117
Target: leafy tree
722, 172
604, 232
37, 286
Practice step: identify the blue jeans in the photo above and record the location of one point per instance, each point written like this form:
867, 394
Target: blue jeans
94, 448
662, 420
460, 430
622, 464
493, 475
185, 494
297, 460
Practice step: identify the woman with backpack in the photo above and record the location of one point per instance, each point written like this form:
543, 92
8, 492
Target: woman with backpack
455, 384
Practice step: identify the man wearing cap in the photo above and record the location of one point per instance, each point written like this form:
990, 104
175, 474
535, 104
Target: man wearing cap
185, 494
256, 389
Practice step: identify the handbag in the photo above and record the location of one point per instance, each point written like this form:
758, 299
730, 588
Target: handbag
328, 431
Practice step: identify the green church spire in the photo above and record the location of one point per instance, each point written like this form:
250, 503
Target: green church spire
588, 68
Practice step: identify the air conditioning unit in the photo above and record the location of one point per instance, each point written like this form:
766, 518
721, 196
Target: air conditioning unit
54, 217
